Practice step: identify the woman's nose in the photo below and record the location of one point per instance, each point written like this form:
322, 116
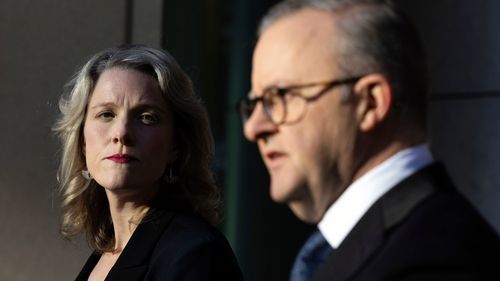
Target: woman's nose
123, 132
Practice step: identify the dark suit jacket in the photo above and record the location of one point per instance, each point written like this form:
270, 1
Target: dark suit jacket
423, 229
173, 247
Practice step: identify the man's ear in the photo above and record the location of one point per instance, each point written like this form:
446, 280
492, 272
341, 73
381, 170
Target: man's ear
374, 100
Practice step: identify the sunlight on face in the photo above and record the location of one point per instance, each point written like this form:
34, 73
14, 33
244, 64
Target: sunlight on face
128, 132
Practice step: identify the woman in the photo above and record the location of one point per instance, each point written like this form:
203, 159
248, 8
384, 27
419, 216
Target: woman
135, 173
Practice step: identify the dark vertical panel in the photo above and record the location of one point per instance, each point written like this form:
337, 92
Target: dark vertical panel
182, 36
266, 236
129, 21
240, 187
462, 42
465, 134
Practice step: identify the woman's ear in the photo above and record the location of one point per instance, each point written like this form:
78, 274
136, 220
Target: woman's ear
375, 99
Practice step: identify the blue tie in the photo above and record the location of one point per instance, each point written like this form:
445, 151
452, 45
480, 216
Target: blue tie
311, 256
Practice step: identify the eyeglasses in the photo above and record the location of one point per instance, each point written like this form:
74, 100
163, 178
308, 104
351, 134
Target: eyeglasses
287, 104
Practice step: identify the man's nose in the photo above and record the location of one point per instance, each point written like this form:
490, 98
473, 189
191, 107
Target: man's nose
258, 125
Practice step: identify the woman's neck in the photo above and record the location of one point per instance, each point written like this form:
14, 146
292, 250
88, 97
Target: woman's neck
127, 211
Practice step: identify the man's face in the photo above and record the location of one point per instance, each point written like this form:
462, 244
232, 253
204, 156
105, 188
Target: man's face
308, 160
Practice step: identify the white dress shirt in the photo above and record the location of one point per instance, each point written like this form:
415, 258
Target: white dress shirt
343, 215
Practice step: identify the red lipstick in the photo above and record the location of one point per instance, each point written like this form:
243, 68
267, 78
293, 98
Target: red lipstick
121, 158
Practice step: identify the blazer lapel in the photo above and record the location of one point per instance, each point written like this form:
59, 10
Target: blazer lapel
88, 267
370, 232
133, 262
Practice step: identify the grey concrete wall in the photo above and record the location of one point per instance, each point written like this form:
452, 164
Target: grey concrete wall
463, 42
147, 22
42, 42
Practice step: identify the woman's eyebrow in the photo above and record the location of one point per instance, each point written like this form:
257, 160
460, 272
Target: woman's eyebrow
149, 105
145, 105
103, 104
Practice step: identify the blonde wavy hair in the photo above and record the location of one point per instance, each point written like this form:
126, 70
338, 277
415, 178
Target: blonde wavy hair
84, 204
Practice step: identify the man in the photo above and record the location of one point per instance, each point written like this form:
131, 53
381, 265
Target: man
338, 111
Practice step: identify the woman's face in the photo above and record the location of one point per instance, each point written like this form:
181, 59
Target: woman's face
128, 132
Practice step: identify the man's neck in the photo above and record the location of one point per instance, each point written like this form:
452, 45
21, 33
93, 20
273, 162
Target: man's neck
379, 157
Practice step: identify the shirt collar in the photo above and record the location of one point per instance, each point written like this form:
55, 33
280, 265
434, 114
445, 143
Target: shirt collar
348, 209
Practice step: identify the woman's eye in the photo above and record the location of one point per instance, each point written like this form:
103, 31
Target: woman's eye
106, 115
148, 118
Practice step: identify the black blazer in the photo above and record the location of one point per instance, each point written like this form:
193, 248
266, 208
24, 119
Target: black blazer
174, 247
423, 229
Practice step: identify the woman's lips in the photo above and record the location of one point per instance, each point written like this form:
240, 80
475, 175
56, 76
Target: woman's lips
121, 158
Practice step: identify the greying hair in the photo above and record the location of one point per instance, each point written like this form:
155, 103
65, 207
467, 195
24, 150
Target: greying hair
374, 37
85, 207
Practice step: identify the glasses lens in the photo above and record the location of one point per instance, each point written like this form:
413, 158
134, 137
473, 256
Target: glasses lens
274, 106
295, 106
246, 107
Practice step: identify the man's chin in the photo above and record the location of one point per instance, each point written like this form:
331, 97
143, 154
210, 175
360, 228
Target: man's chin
279, 197
304, 211
282, 193
297, 200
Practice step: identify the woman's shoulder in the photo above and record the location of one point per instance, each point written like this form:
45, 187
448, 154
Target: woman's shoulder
191, 244
191, 228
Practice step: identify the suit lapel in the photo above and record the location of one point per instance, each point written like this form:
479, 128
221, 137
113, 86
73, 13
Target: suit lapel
370, 232
133, 262
358, 246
